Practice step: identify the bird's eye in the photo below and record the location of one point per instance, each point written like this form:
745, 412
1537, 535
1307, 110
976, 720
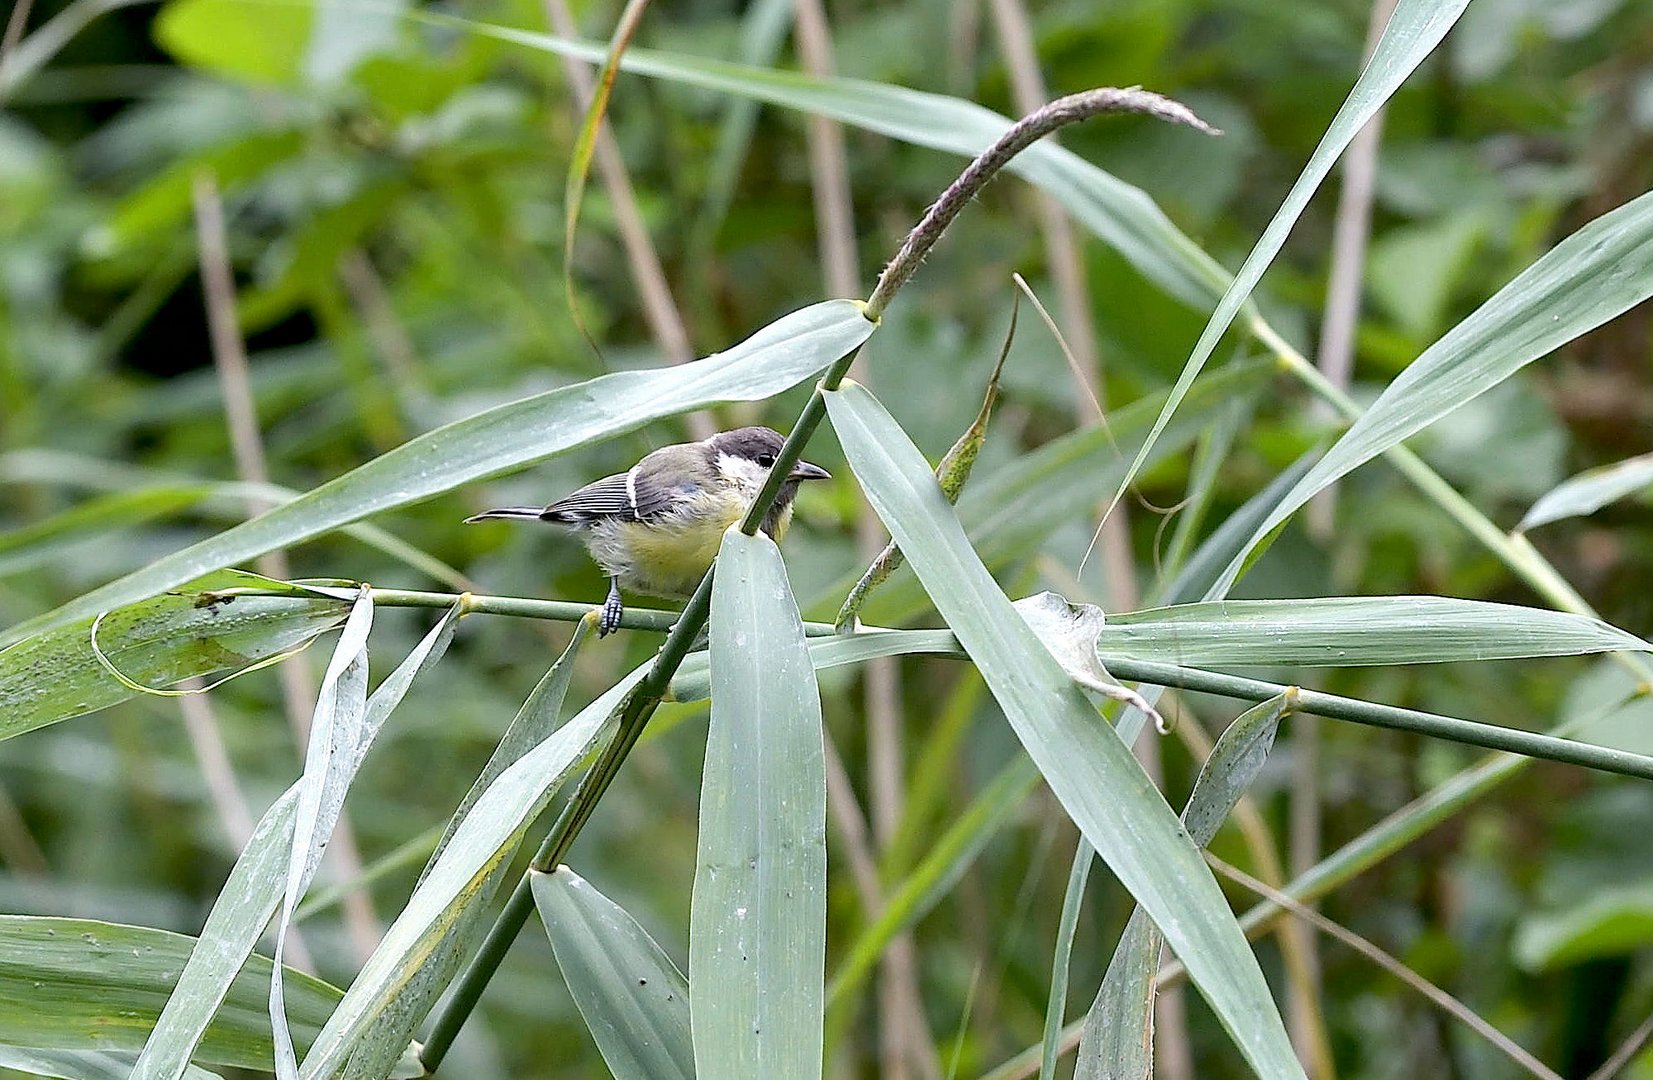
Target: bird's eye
766, 460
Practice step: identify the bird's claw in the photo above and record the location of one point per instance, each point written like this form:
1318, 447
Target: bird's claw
613, 609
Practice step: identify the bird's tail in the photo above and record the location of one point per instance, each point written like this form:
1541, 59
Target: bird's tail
509, 513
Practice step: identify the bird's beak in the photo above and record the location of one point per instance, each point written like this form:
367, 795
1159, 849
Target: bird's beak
803, 470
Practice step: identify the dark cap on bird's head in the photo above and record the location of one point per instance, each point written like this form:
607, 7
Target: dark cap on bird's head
762, 446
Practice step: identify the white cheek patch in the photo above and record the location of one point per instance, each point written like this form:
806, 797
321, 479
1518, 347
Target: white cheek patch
744, 471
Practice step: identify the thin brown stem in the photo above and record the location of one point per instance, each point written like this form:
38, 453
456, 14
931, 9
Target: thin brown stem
654, 293
16, 23
1440, 998
230, 358
1626, 1051
1018, 137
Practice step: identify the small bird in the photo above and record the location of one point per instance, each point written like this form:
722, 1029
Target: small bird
656, 528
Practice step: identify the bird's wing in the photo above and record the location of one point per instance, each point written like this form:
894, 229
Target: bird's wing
609, 497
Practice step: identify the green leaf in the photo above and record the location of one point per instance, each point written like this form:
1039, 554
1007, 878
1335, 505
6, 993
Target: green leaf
266, 44
80, 984
1350, 631
1125, 217
693, 681
1015, 509
403, 977
1087, 766
780, 356
757, 927
1601, 270
346, 721
1612, 921
138, 494
55, 675
532, 725
633, 998
79, 1064
1590, 490
237, 920
1117, 1039
1084, 857
1413, 31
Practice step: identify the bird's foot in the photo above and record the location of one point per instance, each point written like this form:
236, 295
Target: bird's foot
613, 609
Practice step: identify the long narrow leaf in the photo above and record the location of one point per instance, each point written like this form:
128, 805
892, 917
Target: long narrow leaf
1413, 31
1083, 760
1117, 1039
346, 723
56, 675
80, 984
1084, 857
1124, 216
633, 998
249, 897
1591, 490
781, 355
79, 1064
757, 927
341, 705
1355, 630
1600, 271
398, 978
536, 720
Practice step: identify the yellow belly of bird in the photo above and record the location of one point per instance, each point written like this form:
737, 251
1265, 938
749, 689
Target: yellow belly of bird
669, 557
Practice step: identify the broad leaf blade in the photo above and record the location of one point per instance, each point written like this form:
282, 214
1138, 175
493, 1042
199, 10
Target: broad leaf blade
1589, 491
79, 984
781, 355
1117, 1040
633, 998
1349, 631
757, 929
1083, 760
56, 675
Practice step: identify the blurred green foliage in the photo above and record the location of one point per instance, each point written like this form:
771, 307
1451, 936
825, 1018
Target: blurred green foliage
393, 196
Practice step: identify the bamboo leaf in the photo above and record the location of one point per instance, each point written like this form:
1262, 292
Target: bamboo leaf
693, 681
401, 980
1589, 491
757, 928
533, 723
1350, 631
780, 356
81, 984
55, 675
1124, 216
1013, 510
249, 897
1117, 1039
1084, 856
79, 1064
346, 721
1087, 766
633, 998
1600, 271
1413, 31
